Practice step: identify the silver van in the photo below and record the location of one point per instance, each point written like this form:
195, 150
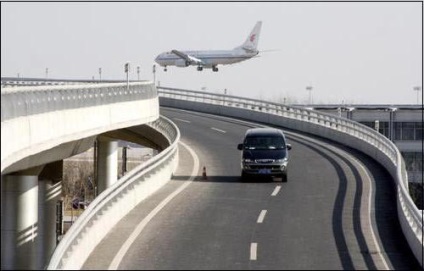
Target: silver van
264, 152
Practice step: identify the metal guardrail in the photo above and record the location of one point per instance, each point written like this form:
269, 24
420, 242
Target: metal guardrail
115, 202
371, 142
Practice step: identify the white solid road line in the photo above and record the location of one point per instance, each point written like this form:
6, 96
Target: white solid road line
186, 121
126, 246
276, 190
261, 216
218, 130
253, 251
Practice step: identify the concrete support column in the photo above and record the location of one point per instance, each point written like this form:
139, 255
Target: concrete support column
49, 193
107, 163
392, 118
349, 114
19, 221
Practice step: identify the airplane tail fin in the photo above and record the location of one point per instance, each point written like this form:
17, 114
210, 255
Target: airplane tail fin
251, 43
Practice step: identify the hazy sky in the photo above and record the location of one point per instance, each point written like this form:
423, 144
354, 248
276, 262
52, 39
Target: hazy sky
352, 52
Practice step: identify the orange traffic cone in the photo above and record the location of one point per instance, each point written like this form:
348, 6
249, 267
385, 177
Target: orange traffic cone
204, 174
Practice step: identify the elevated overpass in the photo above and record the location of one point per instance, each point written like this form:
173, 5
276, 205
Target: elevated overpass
85, 235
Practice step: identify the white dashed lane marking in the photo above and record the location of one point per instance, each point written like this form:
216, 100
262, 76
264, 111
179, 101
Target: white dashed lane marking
253, 251
276, 190
262, 216
218, 130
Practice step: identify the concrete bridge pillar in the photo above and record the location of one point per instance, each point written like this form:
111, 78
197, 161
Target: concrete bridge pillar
19, 219
392, 118
107, 164
49, 192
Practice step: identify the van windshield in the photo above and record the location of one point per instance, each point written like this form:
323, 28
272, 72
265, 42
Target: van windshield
264, 143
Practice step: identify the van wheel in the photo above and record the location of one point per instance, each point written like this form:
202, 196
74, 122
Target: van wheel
284, 178
244, 177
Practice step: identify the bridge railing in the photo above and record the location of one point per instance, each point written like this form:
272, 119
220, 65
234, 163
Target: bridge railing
339, 129
31, 100
21, 81
116, 201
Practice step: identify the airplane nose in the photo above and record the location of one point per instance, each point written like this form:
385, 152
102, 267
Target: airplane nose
158, 59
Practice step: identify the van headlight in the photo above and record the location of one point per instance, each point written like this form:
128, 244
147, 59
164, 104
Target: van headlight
245, 163
282, 161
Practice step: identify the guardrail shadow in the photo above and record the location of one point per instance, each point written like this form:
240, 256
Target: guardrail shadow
384, 215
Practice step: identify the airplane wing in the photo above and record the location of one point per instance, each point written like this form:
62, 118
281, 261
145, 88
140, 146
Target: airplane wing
186, 57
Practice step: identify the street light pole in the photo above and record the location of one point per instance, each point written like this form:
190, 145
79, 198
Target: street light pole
309, 88
138, 73
47, 73
154, 74
100, 74
418, 89
127, 71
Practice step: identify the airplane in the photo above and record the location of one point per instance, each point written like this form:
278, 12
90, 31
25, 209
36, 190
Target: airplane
212, 58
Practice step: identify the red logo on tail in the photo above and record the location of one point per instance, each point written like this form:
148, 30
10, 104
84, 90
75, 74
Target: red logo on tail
252, 38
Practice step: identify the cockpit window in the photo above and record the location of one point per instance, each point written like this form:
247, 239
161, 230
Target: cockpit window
264, 143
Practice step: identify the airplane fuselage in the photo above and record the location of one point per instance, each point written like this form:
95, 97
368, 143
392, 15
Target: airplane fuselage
209, 58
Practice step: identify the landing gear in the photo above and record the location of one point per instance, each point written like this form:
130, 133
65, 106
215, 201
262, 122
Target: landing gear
199, 68
165, 69
214, 68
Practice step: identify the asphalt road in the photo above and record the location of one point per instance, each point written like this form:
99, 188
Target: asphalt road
336, 211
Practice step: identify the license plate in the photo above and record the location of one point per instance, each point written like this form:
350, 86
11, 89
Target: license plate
264, 171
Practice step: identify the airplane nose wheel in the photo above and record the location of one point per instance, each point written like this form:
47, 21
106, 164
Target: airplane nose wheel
215, 69
200, 68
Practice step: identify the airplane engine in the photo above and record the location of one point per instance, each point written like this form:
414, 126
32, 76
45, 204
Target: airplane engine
182, 63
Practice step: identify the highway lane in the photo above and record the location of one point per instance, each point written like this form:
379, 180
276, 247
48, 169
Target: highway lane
320, 219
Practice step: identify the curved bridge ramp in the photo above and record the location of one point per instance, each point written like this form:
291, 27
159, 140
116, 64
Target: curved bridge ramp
336, 211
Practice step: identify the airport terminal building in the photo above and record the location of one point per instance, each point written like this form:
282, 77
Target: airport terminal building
402, 124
